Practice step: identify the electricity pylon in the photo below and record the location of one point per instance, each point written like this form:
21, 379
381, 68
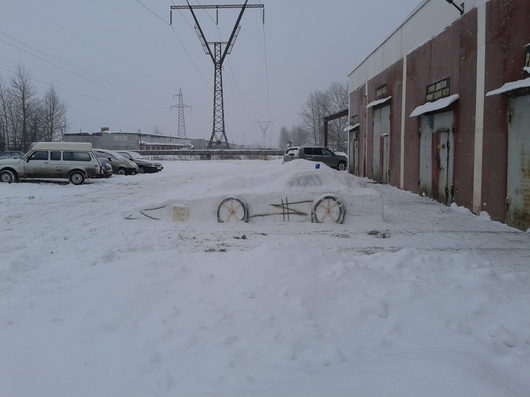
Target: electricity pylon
181, 122
218, 54
264, 126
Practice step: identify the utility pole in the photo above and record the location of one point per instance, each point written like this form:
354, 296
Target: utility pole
218, 50
181, 122
264, 126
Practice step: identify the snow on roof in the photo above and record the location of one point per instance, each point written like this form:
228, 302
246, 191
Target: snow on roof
434, 106
514, 85
351, 127
527, 69
378, 102
164, 143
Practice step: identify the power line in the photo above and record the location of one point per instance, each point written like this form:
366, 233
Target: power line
10, 43
235, 86
70, 33
179, 40
81, 93
73, 35
69, 65
152, 12
229, 64
267, 72
218, 53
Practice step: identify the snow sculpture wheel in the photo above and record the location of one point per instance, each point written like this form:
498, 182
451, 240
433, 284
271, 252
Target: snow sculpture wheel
328, 209
232, 209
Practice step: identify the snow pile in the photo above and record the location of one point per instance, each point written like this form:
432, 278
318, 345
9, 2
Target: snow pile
298, 175
433, 106
511, 86
432, 302
299, 182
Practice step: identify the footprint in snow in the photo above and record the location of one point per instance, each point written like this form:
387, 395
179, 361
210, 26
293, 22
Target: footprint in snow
501, 333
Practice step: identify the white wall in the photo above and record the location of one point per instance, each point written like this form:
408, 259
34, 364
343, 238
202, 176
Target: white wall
427, 21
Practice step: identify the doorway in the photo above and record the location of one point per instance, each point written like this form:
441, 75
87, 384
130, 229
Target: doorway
381, 144
518, 184
437, 157
354, 151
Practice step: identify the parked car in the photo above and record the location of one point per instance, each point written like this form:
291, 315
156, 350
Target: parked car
73, 161
143, 164
290, 154
106, 169
11, 155
317, 153
120, 165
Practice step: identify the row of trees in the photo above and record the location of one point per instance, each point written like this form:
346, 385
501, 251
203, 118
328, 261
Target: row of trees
25, 117
311, 129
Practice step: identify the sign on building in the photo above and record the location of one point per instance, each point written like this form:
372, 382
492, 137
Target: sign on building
440, 89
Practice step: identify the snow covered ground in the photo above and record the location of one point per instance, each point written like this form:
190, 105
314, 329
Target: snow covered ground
432, 301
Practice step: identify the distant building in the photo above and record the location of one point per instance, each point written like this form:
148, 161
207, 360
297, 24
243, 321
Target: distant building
105, 139
442, 107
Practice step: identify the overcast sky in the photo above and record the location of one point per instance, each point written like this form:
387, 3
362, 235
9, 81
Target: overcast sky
118, 64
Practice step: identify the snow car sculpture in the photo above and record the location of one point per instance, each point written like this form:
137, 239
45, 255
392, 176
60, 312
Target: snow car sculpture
300, 191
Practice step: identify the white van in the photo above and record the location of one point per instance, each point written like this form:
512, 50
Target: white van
74, 161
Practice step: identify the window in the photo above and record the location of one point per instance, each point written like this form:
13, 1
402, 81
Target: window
327, 153
41, 155
313, 151
76, 156
55, 156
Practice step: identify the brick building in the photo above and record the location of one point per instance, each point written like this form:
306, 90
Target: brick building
442, 107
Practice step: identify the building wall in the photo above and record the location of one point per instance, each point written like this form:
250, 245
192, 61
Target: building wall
106, 140
358, 108
451, 54
429, 19
504, 60
128, 141
392, 77
479, 51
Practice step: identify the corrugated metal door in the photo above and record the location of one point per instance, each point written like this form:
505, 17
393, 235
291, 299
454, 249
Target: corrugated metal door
443, 125
386, 156
426, 131
437, 156
518, 189
381, 127
354, 152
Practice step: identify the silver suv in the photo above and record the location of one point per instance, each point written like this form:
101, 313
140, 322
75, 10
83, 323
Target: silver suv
317, 153
73, 161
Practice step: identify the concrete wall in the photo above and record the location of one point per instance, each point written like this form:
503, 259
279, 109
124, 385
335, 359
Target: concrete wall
106, 140
127, 141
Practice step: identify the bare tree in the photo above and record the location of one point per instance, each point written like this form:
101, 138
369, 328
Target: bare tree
313, 115
338, 98
319, 105
4, 122
53, 116
24, 102
285, 138
299, 136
